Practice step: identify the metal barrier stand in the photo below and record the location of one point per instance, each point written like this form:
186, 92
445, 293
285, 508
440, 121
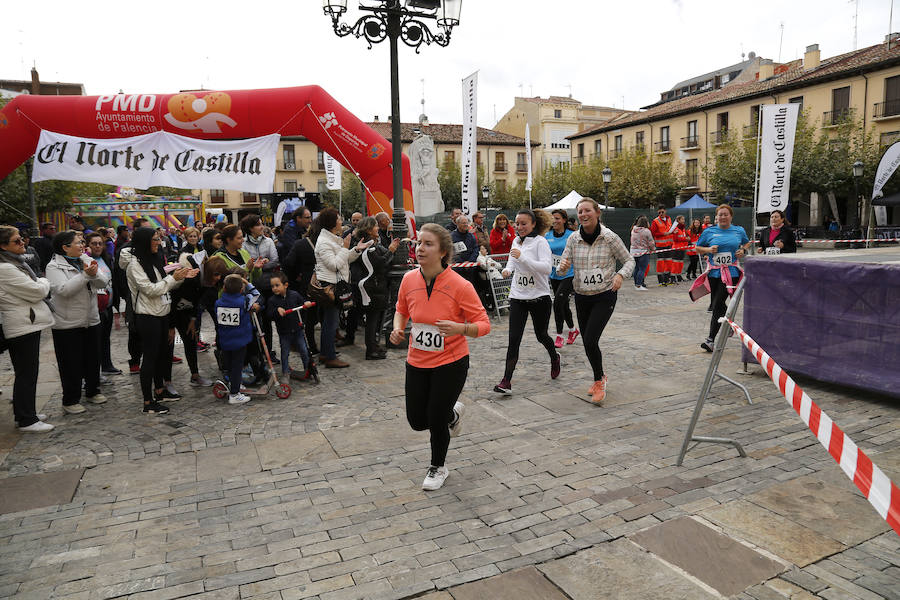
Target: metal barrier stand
712, 373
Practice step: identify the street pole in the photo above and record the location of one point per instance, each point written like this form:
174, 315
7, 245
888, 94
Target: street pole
34, 219
399, 263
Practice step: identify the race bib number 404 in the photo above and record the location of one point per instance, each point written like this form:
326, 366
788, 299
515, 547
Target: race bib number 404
525, 281
426, 337
228, 316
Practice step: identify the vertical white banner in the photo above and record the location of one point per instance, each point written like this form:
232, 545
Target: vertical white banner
528, 156
332, 172
886, 167
469, 153
778, 127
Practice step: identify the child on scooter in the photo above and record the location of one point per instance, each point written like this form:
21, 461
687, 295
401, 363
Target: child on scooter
288, 325
235, 330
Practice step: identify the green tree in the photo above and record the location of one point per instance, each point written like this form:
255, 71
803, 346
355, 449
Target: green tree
822, 161
639, 179
350, 198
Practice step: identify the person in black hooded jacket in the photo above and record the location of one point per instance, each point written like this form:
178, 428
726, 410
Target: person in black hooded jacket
370, 283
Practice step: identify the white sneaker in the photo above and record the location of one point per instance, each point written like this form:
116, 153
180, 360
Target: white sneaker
238, 398
39, 427
74, 409
40, 417
641, 288
98, 399
435, 478
459, 408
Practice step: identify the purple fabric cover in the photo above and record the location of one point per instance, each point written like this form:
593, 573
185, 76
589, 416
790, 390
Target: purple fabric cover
837, 322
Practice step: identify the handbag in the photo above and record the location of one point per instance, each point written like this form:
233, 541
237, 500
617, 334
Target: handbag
323, 295
343, 294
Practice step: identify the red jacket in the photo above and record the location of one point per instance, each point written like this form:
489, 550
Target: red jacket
498, 246
693, 238
660, 230
681, 238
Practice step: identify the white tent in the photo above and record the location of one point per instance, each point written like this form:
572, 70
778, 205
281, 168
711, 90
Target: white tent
568, 202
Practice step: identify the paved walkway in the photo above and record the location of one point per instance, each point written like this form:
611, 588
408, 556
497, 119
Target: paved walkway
318, 496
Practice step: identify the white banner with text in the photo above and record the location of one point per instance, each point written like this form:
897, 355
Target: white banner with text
332, 172
159, 159
469, 152
778, 127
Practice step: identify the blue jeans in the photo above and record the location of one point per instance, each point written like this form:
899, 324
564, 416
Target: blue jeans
296, 340
640, 267
330, 315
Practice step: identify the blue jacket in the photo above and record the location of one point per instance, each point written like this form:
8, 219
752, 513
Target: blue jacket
288, 323
230, 308
470, 253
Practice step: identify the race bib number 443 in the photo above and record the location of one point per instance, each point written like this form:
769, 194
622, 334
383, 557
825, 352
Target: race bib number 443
592, 278
427, 338
228, 316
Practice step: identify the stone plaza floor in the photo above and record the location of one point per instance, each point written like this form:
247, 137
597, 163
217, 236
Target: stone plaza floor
319, 495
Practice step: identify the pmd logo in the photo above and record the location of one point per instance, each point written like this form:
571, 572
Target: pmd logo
206, 113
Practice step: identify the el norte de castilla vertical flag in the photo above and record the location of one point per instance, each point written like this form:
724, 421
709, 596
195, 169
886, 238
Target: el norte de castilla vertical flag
332, 172
778, 123
528, 157
469, 154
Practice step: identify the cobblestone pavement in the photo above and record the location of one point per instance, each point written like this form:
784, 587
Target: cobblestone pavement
318, 496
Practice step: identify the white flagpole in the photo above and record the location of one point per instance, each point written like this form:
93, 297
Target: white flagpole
756, 178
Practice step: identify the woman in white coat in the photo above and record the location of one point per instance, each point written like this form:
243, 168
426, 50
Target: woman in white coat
74, 281
25, 313
530, 263
150, 286
333, 258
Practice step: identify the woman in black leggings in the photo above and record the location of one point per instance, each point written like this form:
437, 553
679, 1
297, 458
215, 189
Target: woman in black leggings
150, 291
594, 251
529, 263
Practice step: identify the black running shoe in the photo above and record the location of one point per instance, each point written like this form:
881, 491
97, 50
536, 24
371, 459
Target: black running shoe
155, 408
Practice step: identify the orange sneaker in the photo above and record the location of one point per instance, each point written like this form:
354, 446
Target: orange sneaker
598, 391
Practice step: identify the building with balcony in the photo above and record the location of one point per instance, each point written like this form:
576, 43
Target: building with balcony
690, 127
551, 121
502, 159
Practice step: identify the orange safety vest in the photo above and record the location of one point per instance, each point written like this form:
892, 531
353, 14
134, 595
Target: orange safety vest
660, 230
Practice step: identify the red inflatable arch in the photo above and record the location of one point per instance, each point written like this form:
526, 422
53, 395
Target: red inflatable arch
308, 111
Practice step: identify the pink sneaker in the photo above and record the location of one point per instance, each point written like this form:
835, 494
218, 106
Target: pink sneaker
555, 366
572, 335
559, 341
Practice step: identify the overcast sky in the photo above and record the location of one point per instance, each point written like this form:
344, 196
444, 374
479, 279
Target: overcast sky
610, 53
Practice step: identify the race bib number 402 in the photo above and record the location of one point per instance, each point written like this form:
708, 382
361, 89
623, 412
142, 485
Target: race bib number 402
426, 337
722, 258
228, 316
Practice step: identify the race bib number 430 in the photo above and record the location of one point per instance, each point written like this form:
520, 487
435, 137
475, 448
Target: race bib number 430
427, 338
228, 316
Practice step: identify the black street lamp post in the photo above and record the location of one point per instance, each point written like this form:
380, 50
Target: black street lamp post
397, 20
857, 173
606, 173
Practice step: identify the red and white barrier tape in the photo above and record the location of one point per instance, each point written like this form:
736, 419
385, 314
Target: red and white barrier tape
805, 241
881, 493
463, 265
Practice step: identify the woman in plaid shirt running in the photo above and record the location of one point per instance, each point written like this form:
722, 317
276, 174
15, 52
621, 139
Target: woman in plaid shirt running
594, 251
